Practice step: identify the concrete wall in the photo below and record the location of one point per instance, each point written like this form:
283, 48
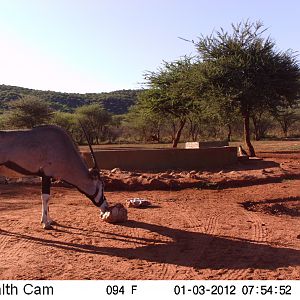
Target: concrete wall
164, 159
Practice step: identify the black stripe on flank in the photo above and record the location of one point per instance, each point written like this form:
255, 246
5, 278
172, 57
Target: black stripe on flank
13, 166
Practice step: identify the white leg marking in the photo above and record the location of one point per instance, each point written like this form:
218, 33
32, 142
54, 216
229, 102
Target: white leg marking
45, 210
49, 220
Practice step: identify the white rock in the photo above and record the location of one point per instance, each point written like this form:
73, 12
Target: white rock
115, 170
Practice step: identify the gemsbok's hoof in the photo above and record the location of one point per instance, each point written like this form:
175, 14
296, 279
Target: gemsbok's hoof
51, 222
47, 226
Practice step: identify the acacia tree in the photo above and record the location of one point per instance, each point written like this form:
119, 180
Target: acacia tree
95, 120
172, 92
65, 120
27, 112
219, 111
144, 122
286, 118
195, 122
247, 71
115, 129
262, 122
69, 121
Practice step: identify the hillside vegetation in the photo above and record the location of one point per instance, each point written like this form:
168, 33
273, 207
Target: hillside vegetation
117, 102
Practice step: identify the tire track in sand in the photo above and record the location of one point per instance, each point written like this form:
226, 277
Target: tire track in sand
165, 267
258, 234
197, 225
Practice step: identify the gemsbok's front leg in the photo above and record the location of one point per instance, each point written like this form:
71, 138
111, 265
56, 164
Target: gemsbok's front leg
46, 220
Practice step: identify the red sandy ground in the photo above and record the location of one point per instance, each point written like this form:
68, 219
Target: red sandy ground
237, 223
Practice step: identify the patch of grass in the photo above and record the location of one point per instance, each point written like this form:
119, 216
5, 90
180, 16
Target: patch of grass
272, 146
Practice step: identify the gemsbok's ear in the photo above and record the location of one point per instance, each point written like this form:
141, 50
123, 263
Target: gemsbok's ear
94, 173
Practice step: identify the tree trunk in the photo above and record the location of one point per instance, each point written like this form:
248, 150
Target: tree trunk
247, 135
178, 133
285, 128
256, 129
256, 134
158, 135
229, 133
193, 132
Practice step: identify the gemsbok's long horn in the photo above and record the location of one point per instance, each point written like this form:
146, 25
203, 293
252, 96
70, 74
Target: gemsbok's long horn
90, 146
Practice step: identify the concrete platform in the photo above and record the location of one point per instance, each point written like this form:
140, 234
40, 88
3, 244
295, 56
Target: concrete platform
206, 144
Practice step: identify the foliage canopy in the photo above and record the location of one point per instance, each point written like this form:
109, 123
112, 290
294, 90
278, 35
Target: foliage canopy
27, 112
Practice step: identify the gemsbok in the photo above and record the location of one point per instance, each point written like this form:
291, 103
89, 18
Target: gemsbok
49, 152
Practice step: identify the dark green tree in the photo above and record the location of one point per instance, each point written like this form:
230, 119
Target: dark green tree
286, 118
27, 112
63, 119
262, 122
144, 123
115, 129
95, 120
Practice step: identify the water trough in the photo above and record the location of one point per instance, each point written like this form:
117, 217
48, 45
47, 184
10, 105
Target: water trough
163, 159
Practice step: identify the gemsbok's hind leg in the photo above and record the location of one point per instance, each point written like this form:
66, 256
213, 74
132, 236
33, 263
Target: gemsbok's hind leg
46, 220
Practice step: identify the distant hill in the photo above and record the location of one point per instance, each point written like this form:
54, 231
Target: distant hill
117, 102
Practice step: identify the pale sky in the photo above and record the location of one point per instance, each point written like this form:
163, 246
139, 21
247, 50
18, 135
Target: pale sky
104, 45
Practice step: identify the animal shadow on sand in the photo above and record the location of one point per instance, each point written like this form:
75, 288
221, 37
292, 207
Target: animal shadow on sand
255, 165
185, 248
279, 206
